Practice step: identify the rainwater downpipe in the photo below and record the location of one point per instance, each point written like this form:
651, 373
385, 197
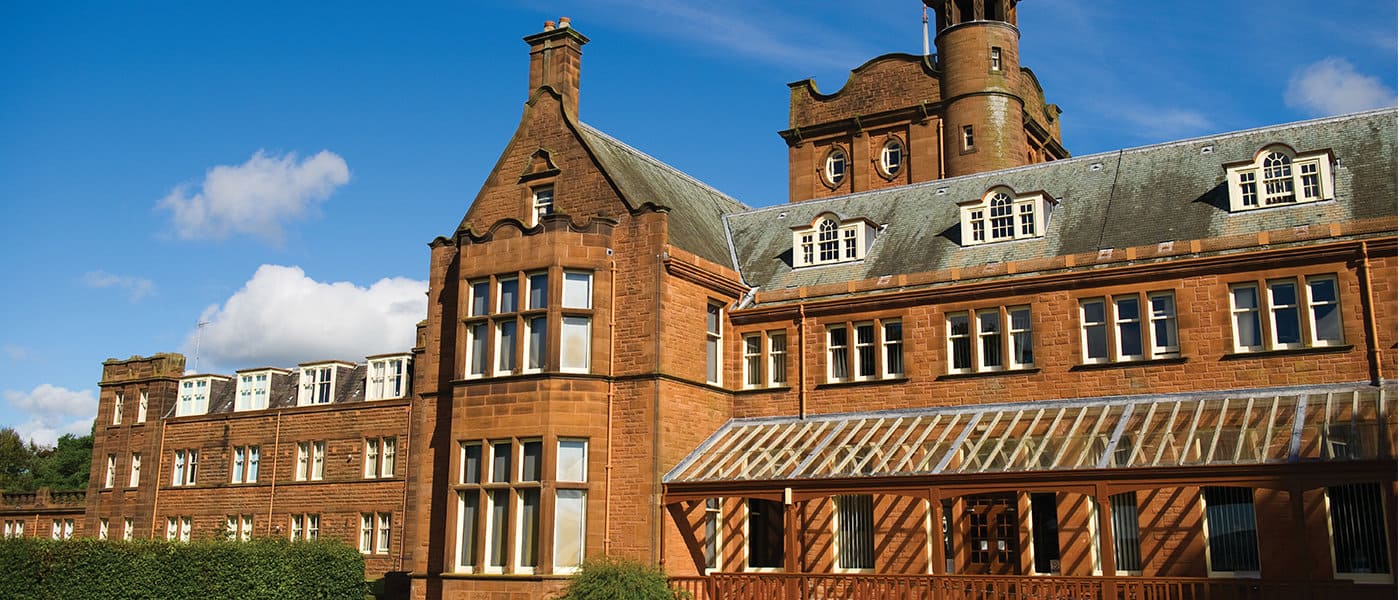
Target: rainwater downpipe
801, 361
1373, 351
612, 391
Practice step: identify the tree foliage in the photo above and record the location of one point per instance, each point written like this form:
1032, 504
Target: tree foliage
27, 467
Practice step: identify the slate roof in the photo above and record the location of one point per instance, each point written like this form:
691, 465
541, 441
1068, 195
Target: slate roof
695, 210
349, 387
1135, 197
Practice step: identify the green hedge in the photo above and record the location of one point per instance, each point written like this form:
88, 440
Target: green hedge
619, 579
79, 569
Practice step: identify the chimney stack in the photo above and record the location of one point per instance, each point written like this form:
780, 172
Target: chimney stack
555, 54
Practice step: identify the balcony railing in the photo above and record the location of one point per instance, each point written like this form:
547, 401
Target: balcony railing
783, 586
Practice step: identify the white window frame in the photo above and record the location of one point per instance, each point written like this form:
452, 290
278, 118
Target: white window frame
1028, 215
828, 239
253, 390
834, 157
478, 346
996, 58
311, 461
134, 479
305, 527
128, 528
383, 530
541, 203
752, 360
713, 522
186, 468
836, 531
380, 454
777, 358
714, 343
194, 396
1242, 177
318, 383
968, 141
109, 479
893, 156
1266, 311
505, 362
118, 399
1360, 577
1114, 321
839, 354
1205, 531
143, 406
977, 337
383, 374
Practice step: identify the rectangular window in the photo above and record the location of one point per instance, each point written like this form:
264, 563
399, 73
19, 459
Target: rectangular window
536, 341
837, 354
1045, 533
500, 462
480, 297
476, 349
109, 479
753, 360
1231, 534
569, 529
893, 339
542, 204
236, 471
990, 340
381, 545
388, 454
172, 528
318, 460
713, 544
765, 534
311, 461
538, 298
317, 385
471, 463
468, 502
578, 290
1293, 321
777, 358
303, 460
185, 527
572, 461
996, 58
967, 137
135, 478
865, 350
1357, 519
143, 405
379, 457
366, 533
1163, 330
575, 343
117, 401
959, 343
855, 532
1127, 321
509, 295
497, 513
505, 347
102, 529
128, 529
1127, 550
531, 459
1308, 178
712, 343
1093, 320
527, 532
385, 379
371, 458
186, 465
1019, 328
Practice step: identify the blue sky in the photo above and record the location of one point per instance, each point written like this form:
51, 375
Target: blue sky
277, 169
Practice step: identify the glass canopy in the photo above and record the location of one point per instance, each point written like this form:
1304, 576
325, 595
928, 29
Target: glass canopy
1228, 428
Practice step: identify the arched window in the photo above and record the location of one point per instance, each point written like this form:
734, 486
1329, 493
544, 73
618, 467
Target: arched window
891, 157
1278, 179
1003, 224
828, 246
835, 171
1002, 214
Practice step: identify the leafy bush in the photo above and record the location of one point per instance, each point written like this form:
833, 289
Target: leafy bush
618, 579
271, 569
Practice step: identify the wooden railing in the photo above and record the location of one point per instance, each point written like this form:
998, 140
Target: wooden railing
810, 586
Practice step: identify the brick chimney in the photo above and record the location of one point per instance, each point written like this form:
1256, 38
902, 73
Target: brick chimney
555, 54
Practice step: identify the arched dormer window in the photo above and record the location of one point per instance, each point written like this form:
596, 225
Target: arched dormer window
829, 239
1278, 176
1002, 215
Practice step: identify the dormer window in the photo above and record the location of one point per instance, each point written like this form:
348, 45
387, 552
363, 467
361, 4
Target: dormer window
542, 204
194, 397
1003, 215
835, 170
388, 378
832, 240
318, 382
254, 388
1278, 176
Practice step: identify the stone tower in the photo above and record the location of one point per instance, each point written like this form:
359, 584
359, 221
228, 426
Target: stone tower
979, 56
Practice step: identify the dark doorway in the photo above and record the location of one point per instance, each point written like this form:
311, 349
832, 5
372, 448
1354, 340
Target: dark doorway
993, 541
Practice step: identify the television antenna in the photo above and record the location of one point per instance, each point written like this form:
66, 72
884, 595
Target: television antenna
198, 337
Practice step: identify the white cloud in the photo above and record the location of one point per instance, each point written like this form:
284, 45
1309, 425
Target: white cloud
257, 197
52, 411
281, 317
136, 287
1332, 86
15, 351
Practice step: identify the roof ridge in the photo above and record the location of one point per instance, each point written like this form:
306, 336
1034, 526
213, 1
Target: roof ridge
661, 164
1085, 158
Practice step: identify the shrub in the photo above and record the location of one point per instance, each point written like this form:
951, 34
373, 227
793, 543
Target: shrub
271, 569
618, 579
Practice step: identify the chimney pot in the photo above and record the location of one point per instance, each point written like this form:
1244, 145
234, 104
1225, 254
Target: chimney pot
549, 25
563, 22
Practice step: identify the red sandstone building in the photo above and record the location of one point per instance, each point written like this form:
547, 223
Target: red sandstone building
959, 363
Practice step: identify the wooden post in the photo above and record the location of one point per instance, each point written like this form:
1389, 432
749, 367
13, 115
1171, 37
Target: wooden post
1108, 559
792, 552
935, 511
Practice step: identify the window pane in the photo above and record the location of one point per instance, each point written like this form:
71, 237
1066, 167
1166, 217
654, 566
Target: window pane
1045, 532
855, 534
578, 290
960, 341
466, 539
894, 348
505, 349
574, 344
539, 334
1126, 549
1129, 327
569, 528
1095, 330
712, 524
529, 534
1283, 298
777, 354
1163, 323
1327, 320
753, 360
989, 331
1358, 528
1234, 544
837, 359
572, 465
478, 349
500, 462
530, 460
1246, 307
510, 290
499, 502
471, 463
480, 292
865, 345
1021, 353
765, 534
539, 290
